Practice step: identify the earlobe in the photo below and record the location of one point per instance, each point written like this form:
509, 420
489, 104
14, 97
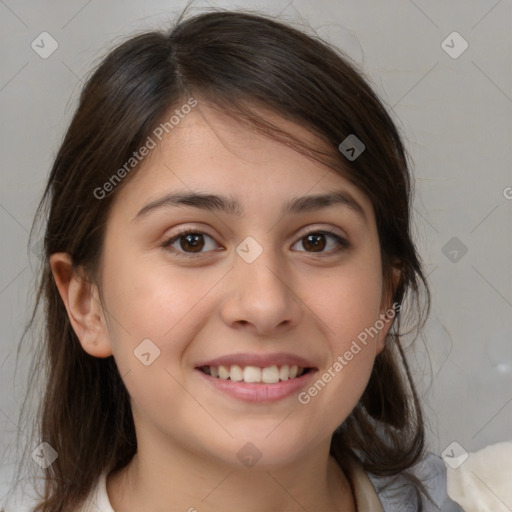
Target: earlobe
386, 319
81, 300
388, 309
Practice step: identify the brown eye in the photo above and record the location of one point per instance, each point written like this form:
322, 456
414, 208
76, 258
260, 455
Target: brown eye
193, 242
190, 243
314, 242
319, 241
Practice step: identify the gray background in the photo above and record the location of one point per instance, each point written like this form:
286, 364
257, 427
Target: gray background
454, 113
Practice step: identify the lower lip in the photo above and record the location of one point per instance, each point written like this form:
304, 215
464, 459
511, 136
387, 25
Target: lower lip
260, 392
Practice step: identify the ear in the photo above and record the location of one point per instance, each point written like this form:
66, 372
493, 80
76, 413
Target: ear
82, 302
388, 309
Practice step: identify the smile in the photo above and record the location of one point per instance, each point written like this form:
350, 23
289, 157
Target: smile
254, 374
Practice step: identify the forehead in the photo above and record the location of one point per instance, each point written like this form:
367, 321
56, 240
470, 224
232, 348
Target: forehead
210, 151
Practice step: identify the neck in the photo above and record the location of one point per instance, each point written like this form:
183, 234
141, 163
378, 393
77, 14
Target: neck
179, 480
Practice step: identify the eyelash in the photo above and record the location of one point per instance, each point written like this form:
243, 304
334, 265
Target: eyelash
344, 244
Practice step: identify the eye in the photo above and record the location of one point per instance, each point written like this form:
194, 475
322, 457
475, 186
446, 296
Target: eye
317, 241
190, 242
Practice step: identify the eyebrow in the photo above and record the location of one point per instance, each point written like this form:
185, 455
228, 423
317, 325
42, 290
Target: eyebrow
231, 206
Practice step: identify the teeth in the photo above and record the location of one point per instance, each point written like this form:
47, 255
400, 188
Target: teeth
284, 372
223, 372
236, 373
253, 374
270, 375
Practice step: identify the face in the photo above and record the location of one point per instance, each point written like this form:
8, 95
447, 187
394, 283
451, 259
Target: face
276, 288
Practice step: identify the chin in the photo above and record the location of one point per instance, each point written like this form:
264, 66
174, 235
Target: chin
264, 448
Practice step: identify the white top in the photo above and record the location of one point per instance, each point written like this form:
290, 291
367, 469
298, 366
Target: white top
98, 499
371, 493
365, 495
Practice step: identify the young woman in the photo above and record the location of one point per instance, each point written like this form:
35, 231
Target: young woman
229, 259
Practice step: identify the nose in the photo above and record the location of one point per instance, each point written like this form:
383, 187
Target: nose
261, 296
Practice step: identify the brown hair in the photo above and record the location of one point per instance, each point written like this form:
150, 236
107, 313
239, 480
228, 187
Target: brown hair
235, 61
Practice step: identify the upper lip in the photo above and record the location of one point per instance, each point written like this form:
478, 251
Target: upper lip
260, 360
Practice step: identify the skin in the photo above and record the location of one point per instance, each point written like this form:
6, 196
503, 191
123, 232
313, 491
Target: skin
290, 299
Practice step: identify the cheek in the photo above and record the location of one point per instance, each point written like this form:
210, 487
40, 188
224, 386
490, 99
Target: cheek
349, 311
154, 313
153, 301
148, 298
350, 300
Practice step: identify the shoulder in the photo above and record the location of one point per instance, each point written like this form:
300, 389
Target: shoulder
398, 493
97, 500
480, 480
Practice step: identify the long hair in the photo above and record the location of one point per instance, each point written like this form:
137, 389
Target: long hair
239, 62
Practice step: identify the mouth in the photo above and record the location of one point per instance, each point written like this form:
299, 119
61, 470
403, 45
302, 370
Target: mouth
263, 378
254, 374
256, 377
